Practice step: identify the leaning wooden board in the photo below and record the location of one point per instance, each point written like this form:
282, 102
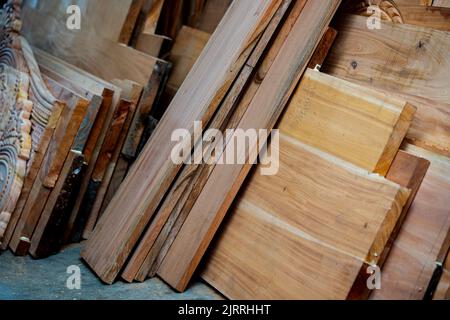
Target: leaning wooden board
407, 60
128, 213
411, 263
263, 111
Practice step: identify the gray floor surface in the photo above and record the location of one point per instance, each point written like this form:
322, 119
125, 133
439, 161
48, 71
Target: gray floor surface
23, 278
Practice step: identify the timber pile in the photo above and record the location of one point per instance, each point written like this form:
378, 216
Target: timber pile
362, 137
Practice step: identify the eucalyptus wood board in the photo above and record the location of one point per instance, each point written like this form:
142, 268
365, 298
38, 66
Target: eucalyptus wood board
128, 213
264, 110
355, 123
327, 220
411, 262
407, 60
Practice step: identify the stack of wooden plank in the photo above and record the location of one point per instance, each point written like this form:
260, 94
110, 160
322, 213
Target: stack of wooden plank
264, 48
87, 121
361, 185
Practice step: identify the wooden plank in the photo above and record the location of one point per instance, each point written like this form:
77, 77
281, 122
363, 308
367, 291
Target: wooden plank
281, 255
375, 117
263, 112
140, 195
48, 220
403, 59
152, 18
131, 20
184, 191
57, 151
411, 262
185, 52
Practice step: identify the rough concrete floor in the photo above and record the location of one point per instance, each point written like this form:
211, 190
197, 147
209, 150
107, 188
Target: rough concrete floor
22, 278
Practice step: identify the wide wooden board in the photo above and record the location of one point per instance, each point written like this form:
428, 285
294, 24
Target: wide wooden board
127, 215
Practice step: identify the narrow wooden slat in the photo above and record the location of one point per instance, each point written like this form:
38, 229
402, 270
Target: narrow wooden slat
127, 215
210, 208
323, 48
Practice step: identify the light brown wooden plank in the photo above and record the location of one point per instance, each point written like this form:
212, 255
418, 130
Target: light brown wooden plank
224, 182
140, 194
